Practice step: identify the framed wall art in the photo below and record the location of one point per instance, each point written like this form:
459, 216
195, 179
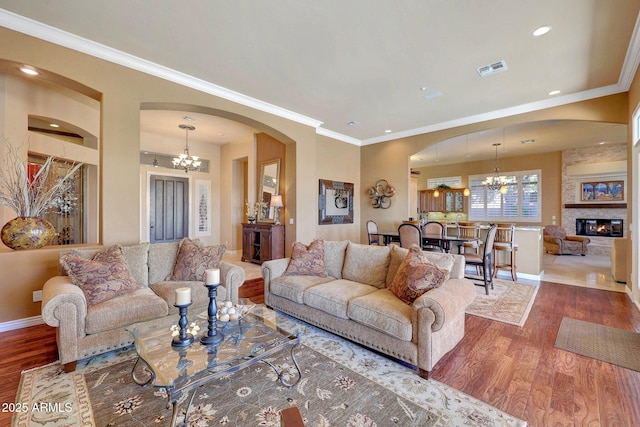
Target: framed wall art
335, 202
602, 191
203, 190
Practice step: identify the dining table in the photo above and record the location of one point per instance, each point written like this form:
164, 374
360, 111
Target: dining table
445, 242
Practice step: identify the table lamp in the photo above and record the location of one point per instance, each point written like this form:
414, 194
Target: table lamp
276, 203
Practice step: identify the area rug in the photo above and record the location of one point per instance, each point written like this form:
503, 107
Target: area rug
508, 302
612, 345
343, 385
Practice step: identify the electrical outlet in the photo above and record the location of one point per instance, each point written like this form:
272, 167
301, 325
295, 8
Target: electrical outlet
291, 221
37, 296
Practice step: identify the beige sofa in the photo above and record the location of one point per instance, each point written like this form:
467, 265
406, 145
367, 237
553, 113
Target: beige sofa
85, 330
354, 301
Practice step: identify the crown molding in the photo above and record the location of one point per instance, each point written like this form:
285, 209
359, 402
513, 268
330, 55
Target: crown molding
54, 35
338, 136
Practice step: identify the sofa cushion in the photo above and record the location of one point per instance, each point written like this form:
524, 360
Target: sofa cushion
416, 276
162, 258
384, 312
366, 264
135, 255
333, 297
293, 287
199, 294
307, 260
334, 253
125, 310
101, 278
193, 260
440, 260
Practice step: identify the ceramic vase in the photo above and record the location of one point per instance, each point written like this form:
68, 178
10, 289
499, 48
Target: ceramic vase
27, 233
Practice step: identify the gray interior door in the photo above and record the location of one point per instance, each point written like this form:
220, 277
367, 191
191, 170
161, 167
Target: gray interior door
169, 208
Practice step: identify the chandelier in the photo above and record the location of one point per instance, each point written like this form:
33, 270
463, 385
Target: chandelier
184, 160
495, 183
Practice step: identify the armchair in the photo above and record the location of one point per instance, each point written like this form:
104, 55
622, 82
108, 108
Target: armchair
557, 242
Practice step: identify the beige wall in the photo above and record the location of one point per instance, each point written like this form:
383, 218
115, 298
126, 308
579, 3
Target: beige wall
123, 92
549, 163
390, 160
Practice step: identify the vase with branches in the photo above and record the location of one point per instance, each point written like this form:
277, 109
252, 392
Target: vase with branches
30, 195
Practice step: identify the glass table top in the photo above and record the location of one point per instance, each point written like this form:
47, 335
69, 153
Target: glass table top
255, 336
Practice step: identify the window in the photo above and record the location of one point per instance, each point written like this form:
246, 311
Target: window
520, 202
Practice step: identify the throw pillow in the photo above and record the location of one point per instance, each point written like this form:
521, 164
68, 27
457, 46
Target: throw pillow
101, 278
193, 260
307, 260
415, 276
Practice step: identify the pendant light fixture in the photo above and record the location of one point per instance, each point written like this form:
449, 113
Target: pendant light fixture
495, 183
185, 161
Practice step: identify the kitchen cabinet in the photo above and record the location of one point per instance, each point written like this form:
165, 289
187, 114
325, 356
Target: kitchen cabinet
449, 200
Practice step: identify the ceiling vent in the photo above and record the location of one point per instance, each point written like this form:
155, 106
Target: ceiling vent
496, 67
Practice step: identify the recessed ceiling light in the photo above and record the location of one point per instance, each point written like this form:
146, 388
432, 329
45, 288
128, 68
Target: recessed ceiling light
602, 142
541, 31
189, 119
29, 70
387, 131
54, 125
554, 92
352, 123
527, 141
423, 88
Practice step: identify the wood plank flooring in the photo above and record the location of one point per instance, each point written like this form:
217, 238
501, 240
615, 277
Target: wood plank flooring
517, 370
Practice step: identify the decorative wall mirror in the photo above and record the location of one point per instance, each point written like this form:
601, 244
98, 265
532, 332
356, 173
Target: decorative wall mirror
269, 185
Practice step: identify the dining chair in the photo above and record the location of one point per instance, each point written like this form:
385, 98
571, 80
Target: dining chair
504, 243
433, 227
469, 230
409, 234
482, 261
372, 233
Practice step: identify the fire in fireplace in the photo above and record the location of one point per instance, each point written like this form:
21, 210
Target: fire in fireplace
599, 227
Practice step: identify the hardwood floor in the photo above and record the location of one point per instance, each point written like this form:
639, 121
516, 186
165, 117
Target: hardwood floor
517, 370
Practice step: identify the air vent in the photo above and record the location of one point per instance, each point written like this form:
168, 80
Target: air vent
496, 67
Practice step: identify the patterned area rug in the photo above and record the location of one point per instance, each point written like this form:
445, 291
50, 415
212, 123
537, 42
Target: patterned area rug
509, 302
343, 385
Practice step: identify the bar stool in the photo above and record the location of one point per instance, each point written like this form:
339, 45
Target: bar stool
469, 230
504, 243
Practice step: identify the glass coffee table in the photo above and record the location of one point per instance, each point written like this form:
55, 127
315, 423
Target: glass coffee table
253, 338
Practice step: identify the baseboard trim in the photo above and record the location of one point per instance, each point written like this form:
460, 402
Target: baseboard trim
21, 323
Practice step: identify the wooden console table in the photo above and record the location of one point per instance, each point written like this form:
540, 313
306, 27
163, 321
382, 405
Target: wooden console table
262, 242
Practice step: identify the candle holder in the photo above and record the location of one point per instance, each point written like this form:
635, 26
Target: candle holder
183, 339
212, 337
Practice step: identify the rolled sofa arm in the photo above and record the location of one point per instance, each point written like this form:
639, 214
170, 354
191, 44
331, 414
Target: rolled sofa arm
60, 296
452, 297
232, 277
271, 270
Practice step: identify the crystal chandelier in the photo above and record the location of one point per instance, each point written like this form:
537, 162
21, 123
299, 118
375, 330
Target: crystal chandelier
495, 183
184, 160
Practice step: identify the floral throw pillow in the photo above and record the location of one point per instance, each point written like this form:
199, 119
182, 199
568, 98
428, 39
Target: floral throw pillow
416, 275
193, 260
103, 277
307, 260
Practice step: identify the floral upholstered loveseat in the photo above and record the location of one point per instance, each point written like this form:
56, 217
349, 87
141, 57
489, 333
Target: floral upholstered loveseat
363, 293
100, 292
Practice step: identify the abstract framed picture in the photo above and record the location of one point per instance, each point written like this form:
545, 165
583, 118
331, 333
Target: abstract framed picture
335, 202
203, 208
602, 191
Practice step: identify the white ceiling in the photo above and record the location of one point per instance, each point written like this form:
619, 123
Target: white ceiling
330, 62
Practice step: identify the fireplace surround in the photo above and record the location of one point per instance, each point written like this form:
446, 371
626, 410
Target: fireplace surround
599, 227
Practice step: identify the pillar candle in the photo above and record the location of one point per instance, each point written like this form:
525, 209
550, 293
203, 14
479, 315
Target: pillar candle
183, 296
212, 276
